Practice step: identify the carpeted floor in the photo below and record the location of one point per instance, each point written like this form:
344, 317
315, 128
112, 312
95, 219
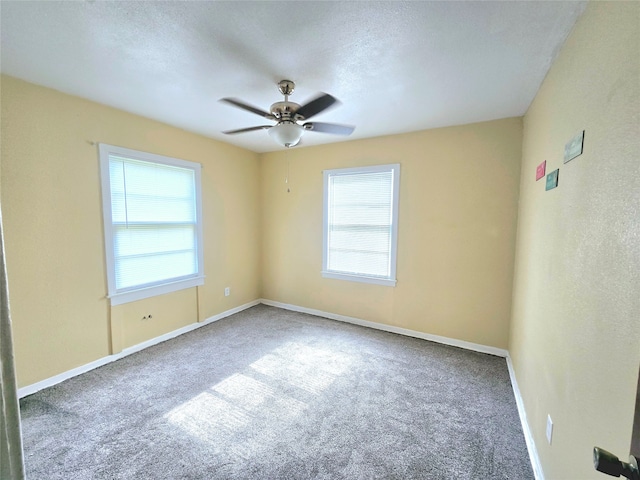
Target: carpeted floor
273, 394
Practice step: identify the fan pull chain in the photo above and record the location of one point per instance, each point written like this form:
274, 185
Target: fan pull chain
286, 180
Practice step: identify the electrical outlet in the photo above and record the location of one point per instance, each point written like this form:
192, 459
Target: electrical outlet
227, 291
549, 429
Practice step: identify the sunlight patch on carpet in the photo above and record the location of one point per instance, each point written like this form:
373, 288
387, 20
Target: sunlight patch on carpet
235, 405
309, 368
250, 394
208, 417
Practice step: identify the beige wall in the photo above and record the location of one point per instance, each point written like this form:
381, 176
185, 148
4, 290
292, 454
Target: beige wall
457, 220
51, 206
575, 329
575, 334
457, 227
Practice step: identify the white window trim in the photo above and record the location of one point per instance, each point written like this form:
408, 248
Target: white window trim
388, 281
138, 293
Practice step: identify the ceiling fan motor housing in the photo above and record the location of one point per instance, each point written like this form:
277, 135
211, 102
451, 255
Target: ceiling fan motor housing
284, 110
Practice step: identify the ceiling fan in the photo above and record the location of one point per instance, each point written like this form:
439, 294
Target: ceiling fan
288, 130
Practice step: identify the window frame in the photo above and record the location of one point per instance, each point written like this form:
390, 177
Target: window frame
139, 292
393, 250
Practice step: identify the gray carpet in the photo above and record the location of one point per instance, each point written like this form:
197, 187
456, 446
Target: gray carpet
273, 394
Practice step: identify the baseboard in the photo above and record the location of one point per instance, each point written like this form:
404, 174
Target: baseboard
188, 328
390, 328
51, 381
74, 372
528, 436
533, 453
531, 446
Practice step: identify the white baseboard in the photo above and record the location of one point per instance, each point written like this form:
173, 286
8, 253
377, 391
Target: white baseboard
390, 328
528, 436
49, 382
188, 328
74, 372
533, 453
531, 446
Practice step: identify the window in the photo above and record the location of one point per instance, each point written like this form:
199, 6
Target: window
152, 223
360, 224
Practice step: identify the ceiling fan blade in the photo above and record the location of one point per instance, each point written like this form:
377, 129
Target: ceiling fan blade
317, 105
245, 106
329, 128
248, 129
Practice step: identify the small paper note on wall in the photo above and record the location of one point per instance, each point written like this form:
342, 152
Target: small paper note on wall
540, 170
574, 147
552, 179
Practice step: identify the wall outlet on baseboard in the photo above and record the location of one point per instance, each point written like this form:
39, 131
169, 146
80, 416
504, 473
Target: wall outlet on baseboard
227, 291
549, 429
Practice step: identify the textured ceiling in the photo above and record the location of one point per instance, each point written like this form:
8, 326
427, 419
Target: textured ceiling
396, 66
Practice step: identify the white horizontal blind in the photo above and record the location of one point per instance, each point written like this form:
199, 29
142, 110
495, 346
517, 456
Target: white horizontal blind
154, 222
360, 223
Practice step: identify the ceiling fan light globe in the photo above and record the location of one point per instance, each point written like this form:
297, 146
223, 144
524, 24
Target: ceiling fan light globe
286, 134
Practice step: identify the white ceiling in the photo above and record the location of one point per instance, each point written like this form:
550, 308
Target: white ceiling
396, 66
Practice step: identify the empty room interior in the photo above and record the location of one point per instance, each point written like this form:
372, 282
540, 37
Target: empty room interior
493, 333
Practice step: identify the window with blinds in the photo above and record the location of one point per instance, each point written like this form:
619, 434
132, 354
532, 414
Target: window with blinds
152, 223
360, 223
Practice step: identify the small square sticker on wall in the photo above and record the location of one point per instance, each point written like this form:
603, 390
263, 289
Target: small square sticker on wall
552, 179
573, 148
541, 170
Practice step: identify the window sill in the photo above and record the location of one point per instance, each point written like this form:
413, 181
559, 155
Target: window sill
360, 278
142, 293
